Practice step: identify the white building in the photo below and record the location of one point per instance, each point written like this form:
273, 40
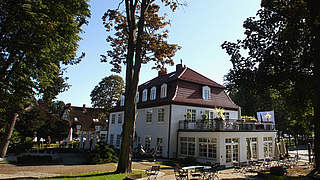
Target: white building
171, 119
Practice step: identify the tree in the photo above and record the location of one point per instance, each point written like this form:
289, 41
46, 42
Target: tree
108, 92
282, 47
139, 37
36, 37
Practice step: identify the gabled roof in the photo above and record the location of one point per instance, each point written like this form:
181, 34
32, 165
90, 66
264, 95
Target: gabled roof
85, 116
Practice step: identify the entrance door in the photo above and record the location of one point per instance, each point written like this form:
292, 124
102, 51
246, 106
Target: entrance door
232, 151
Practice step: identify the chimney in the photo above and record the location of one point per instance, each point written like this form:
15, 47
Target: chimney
162, 71
179, 68
84, 106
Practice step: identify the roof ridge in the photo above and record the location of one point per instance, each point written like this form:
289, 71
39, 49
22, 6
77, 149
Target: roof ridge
219, 85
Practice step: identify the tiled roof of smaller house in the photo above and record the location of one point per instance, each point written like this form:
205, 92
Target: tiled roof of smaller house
86, 117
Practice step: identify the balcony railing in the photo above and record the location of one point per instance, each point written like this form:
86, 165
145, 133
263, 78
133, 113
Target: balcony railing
226, 125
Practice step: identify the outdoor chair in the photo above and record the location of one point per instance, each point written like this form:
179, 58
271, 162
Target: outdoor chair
198, 172
180, 174
153, 172
211, 173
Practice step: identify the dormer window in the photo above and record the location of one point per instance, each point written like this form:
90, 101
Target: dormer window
137, 98
206, 94
153, 93
163, 91
144, 95
122, 100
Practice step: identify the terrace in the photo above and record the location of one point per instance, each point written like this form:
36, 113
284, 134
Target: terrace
226, 125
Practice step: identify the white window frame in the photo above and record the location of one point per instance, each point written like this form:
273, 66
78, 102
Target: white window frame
190, 143
163, 92
159, 146
161, 114
149, 116
147, 144
207, 144
120, 118
113, 118
122, 100
153, 93
206, 93
144, 95
193, 112
118, 140
111, 139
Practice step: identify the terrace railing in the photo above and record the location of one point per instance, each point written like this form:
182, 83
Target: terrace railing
226, 125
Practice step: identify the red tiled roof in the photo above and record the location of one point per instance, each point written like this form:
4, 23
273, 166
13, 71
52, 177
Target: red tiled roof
184, 86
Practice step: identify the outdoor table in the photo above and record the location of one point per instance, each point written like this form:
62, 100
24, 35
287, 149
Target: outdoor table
194, 167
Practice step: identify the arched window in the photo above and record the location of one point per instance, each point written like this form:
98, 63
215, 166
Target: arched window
163, 90
153, 93
206, 93
144, 95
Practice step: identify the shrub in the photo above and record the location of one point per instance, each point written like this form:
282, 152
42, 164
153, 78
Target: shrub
32, 159
102, 154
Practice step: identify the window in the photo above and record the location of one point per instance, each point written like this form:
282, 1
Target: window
267, 146
206, 94
160, 115
138, 97
122, 100
252, 147
111, 139
232, 149
144, 95
208, 147
118, 140
191, 113
153, 93
187, 146
149, 115
163, 91
78, 127
76, 119
159, 146
113, 118
147, 143
226, 115
119, 118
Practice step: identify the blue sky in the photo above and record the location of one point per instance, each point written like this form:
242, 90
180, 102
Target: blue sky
200, 28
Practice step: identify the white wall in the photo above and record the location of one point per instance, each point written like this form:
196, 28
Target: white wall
178, 112
154, 129
221, 136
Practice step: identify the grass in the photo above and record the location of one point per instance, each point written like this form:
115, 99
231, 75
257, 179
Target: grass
98, 175
4, 162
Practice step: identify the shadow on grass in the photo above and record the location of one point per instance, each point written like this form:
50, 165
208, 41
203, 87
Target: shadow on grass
89, 175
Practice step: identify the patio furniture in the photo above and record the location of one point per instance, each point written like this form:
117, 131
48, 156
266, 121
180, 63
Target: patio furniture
180, 173
198, 172
153, 172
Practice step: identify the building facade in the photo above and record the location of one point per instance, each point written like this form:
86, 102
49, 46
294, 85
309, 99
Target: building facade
177, 116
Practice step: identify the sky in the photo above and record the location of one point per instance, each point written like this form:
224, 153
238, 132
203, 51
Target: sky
199, 28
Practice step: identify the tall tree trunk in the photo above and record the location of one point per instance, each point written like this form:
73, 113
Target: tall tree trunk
10, 131
133, 66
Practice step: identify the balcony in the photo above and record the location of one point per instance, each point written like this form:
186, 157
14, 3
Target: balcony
225, 125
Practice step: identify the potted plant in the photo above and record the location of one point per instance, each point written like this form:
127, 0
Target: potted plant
220, 118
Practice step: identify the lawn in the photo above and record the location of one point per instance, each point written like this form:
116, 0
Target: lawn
106, 175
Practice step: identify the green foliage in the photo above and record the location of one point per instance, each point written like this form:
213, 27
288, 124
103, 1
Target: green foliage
103, 154
108, 92
36, 38
272, 64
